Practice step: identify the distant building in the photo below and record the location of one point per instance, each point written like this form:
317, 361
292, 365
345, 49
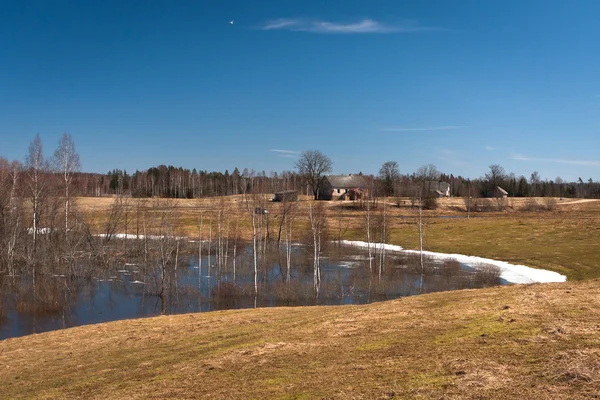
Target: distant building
500, 193
286, 195
343, 187
439, 188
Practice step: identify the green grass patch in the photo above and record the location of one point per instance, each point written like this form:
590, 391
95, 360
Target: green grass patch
486, 327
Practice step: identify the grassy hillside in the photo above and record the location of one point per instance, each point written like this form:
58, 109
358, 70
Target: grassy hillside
538, 341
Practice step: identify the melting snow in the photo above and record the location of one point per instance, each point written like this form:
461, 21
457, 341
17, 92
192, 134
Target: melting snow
510, 272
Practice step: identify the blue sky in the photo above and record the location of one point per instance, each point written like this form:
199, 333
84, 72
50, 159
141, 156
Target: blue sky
460, 84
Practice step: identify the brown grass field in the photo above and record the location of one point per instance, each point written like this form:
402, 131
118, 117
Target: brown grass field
531, 342
524, 341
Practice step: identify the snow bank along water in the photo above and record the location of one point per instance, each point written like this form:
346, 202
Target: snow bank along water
510, 273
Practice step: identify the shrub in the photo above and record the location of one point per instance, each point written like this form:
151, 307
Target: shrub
550, 203
430, 203
450, 268
487, 275
532, 205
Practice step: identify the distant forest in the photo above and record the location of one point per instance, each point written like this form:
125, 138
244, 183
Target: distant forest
176, 182
173, 182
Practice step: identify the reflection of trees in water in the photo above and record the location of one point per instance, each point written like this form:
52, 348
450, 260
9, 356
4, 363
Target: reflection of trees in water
50, 297
107, 292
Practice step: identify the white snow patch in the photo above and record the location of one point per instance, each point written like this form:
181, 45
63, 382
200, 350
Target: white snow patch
510, 272
42, 231
132, 236
347, 264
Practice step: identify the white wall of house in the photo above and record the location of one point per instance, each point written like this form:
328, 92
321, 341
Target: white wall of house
339, 192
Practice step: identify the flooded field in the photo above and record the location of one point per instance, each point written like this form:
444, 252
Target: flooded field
133, 288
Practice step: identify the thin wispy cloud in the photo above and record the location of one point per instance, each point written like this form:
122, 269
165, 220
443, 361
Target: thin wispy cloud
286, 153
521, 157
366, 25
490, 148
424, 129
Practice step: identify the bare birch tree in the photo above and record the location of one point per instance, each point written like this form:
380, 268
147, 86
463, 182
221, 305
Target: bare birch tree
36, 167
318, 228
382, 226
236, 237
168, 243
67, 163
421, 239
368, 221
286, 223
200, 223
10, 225
250, 200
288, 250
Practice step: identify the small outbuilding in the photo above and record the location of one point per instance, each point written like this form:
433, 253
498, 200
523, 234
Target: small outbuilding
285, 196
500, 193
438, 188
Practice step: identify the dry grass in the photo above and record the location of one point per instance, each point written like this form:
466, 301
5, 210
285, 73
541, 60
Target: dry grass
538, 341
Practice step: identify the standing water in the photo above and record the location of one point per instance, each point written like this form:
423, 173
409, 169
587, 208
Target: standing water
133, 289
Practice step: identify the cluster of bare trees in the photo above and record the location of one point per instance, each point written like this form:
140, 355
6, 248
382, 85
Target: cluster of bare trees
38, 219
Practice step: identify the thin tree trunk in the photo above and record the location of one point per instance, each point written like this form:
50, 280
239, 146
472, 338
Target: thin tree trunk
288, 252
145, 242
66, 204
421, 243
226, 257
383, 240
200, 255
209, 250
369, 237
219, 260
176, 262
255, 256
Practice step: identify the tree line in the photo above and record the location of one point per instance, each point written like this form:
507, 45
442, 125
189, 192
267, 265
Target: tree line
312, 167
177, 182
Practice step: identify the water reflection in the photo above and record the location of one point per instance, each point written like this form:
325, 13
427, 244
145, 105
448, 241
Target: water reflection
133, 289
